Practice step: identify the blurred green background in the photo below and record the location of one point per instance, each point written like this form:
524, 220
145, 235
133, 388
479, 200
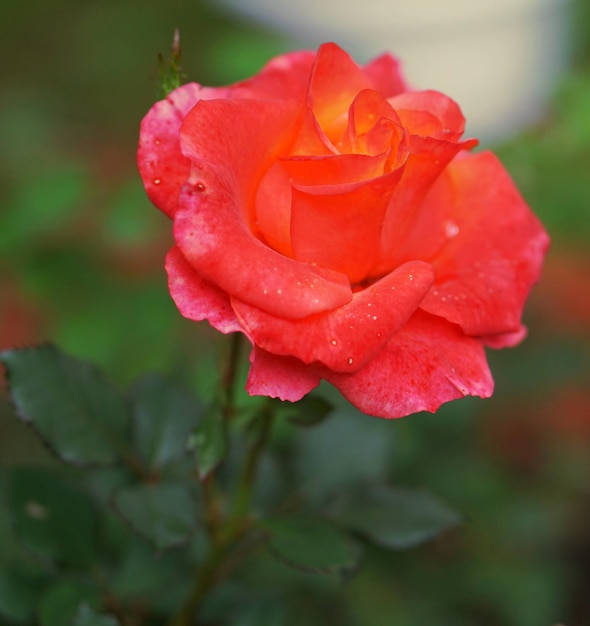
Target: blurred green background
81, 264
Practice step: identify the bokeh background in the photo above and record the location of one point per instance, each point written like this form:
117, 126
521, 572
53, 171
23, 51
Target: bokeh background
81, 264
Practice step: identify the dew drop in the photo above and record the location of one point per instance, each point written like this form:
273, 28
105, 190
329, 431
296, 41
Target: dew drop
411, 276
350, 361
333, 342
157, 181
451, 229
200, 187
375, 317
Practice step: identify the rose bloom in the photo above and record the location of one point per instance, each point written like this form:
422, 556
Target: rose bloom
336, 218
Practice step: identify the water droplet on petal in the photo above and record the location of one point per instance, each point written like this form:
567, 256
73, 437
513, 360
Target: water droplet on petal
451, 229
200, 187
350, 361
333, 342
157, 181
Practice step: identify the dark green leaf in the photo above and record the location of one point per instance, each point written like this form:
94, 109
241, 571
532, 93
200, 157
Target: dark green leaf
17, 596
393, 518
341, 451
80, 415
50, 517
311, 544
141, 572
164, 513
85, 616
309, 411
59, 604
164, 414
257, 614
210, 441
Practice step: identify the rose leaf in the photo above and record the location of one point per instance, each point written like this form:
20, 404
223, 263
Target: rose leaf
79, 414
164, 513
393, 518
163, 416
311, 544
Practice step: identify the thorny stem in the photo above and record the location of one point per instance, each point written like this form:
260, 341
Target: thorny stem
224, 555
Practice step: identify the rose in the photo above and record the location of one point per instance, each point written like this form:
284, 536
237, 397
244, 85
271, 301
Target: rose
336, 219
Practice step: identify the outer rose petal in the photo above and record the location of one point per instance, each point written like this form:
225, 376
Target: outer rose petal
386, 75
196, 298
505, 340
281, 377
485, 271
285, 77
343, 340
428, 362
162, 166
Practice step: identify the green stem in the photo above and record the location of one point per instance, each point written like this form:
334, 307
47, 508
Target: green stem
222, 557
229, 376
248, 475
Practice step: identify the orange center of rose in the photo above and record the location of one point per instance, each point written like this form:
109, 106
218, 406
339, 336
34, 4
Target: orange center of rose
324, 202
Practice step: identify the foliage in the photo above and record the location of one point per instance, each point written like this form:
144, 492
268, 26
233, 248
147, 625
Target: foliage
74, 529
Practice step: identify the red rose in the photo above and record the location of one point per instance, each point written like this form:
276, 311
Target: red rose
337, 220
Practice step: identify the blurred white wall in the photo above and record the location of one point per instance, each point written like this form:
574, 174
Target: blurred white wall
499, 59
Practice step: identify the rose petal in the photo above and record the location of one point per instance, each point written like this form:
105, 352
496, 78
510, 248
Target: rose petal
345, 339
417, 107
196, 298
273, 210
427, 159
285, 77
333, 170
211, 229
386, 75
336, 80
339, 227
215, 241
485, 271
428, 362
505, 340
279, 376
366, 131
162, 166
